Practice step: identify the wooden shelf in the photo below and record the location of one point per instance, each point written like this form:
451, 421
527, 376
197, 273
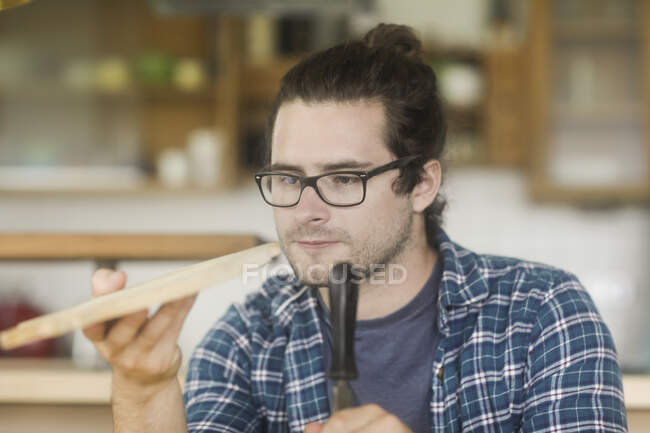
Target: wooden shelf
435, 52
152, 188
58, 91
590, 195
146, 187
636, 388
52, 381
47, 246
58, 381
169, 93
590, 30
608, 114
55, 381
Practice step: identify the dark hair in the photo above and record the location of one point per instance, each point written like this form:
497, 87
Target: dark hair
385, 66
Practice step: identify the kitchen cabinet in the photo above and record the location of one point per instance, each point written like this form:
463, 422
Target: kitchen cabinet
122, 104
119, 88
589, 78
461, 77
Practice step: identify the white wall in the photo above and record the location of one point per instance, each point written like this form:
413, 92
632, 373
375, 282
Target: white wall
460, 22
608, 249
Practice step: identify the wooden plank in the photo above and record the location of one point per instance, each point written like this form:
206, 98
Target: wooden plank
121, 246
172, 286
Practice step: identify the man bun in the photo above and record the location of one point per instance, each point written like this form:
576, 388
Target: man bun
398, 38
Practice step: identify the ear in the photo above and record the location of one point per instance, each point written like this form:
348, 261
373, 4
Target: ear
427, 189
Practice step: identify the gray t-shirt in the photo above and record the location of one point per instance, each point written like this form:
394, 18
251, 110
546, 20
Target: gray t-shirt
394, 356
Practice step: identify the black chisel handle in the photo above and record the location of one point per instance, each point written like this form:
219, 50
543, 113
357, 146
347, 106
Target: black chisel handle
344, 293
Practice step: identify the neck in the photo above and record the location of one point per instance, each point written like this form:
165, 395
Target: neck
381, 296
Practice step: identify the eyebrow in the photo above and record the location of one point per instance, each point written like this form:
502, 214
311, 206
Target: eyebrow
331, 166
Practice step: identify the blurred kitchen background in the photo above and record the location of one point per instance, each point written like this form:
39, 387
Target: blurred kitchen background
145, 117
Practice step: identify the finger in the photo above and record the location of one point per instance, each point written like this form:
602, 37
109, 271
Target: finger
176, 326
154, 330
94, 332
349, 420
105, 281
165, 357
125, 330
169, 338
386, 423
314, 427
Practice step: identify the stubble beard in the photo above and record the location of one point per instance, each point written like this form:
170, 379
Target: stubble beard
374, 254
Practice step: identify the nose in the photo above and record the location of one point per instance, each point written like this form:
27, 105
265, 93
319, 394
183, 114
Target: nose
311, 210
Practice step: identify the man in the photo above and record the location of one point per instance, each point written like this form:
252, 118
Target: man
459, 342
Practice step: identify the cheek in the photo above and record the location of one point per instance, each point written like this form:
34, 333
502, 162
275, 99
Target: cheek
383, 213
281, 218
362, 222
282, 224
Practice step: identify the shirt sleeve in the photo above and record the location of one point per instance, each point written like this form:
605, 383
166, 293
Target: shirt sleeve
218, 389
573, 381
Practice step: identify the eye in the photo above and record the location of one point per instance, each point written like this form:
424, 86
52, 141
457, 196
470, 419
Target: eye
289, 180
342, 179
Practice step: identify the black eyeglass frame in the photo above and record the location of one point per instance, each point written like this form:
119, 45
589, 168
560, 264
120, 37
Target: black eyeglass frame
311, 180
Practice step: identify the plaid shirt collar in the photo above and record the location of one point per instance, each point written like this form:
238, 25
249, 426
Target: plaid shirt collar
462, 284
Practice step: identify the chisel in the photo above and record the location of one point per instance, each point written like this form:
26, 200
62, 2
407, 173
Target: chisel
343, 294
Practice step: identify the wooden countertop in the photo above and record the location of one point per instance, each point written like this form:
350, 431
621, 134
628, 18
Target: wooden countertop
61, 382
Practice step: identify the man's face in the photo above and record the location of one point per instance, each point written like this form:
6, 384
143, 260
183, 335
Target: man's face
309, 140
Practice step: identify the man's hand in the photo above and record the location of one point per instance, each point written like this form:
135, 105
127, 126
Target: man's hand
370, 418
146, 395
142, 351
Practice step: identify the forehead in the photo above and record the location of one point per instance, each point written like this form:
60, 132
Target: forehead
311, 135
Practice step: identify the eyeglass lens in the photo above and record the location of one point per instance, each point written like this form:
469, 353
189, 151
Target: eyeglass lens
336, 189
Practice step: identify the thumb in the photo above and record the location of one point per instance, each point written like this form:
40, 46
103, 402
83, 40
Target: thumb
314, 427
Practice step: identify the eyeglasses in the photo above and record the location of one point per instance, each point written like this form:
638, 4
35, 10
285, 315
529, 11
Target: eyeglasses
337, 188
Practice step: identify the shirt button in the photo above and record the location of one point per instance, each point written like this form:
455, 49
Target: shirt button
440, 373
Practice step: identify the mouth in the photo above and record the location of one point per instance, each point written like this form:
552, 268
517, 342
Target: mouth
315, 245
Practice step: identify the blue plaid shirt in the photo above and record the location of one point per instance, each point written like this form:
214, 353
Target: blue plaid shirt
522, 349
